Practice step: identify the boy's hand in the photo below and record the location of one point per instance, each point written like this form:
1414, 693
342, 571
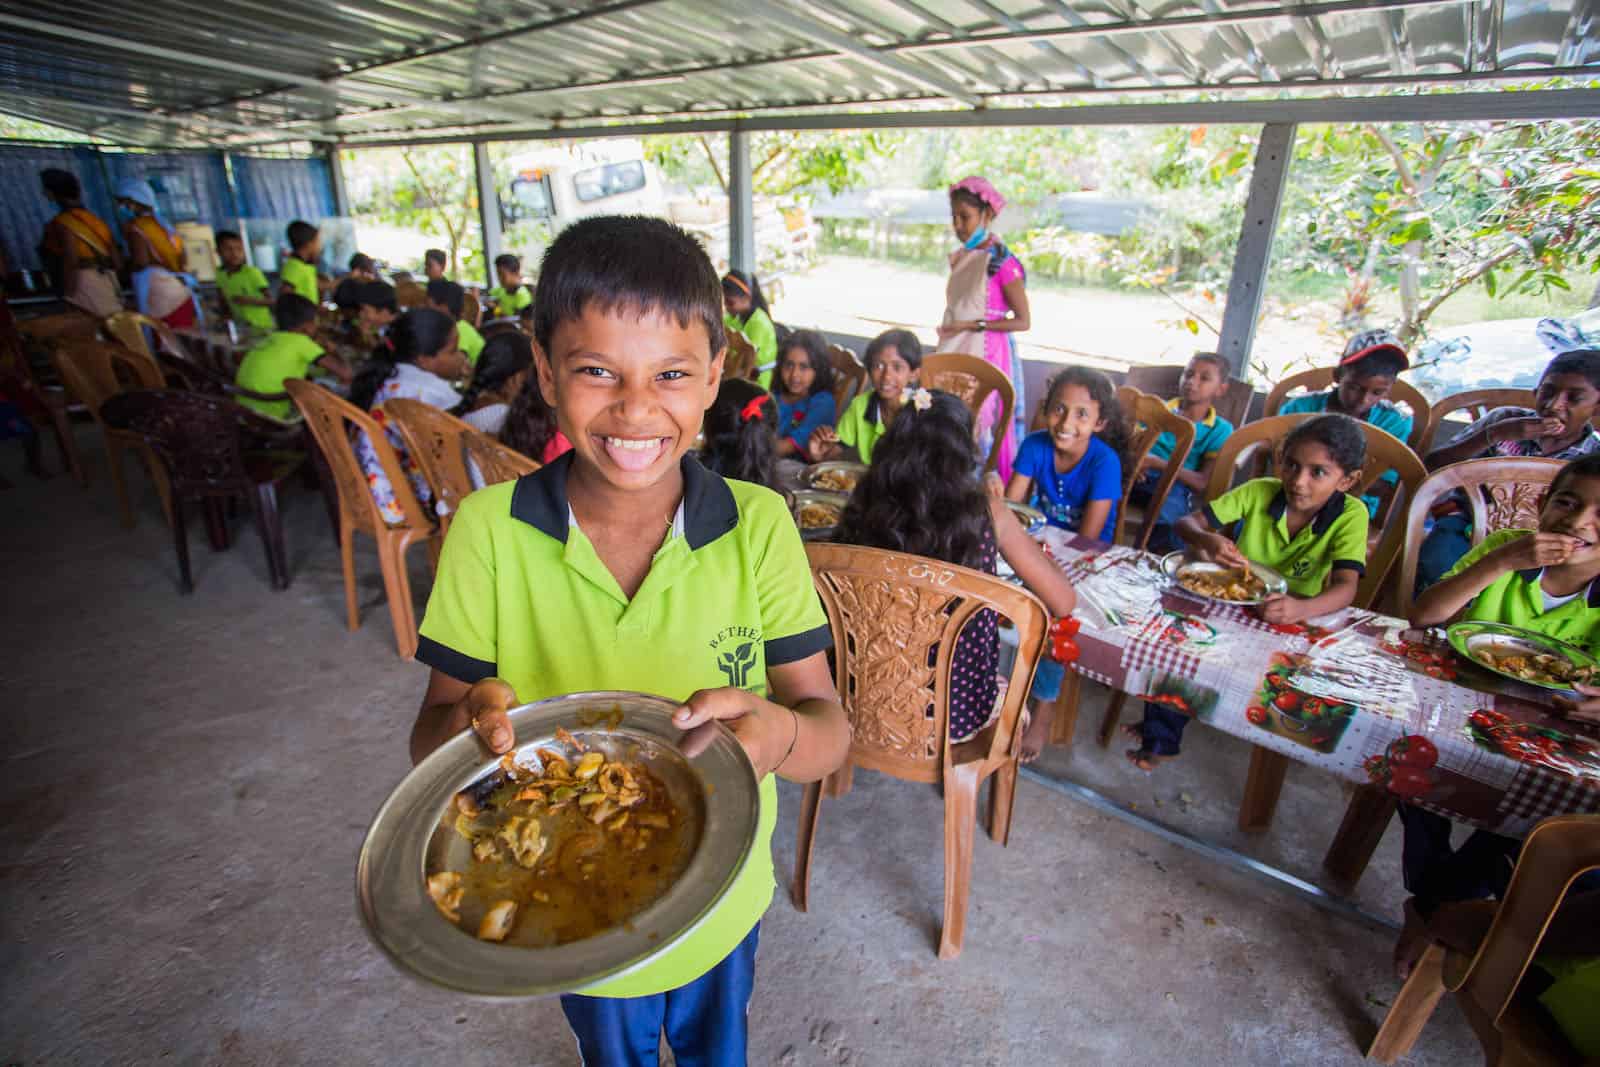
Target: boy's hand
1282, 608
1585, 710
762, 727
822, 442
1531, 428
1537, 550
483, 710
1218, 549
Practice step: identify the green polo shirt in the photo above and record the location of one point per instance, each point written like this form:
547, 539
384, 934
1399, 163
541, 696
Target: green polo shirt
505, 304
1516, 599
264, 369
469, 340
858, 431
1334, 539
298, 276
520, 594
250, 282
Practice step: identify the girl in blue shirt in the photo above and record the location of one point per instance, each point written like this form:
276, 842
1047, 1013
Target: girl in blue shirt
1072, 469
804, 392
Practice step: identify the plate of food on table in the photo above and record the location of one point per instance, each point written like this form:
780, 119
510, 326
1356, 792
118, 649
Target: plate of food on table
577, 857
834, 476
1523, 655
1032, 519
817, 513
1220, 582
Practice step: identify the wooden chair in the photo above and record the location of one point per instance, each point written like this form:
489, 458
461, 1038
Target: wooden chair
741, 359
1162, 379
95, 371
888, 611
849, 376
203, 444
45, 334
973, 379
1321, 378
127, 328
331, 420
494, 461
434, 439
1476, 403
471, 308
1485, 976
411, 295
1151, 418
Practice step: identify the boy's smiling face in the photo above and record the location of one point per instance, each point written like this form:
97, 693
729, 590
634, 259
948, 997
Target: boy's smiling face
629, 392
1572, 507
1572, 398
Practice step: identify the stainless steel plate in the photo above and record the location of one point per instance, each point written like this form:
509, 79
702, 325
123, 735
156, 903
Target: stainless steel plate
1473, 639
1175, 563
801, 497
811, 474
410, 835
1032, 518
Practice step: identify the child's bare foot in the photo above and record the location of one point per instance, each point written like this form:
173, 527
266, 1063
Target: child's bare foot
1145, 759
1037, 733
1412, 942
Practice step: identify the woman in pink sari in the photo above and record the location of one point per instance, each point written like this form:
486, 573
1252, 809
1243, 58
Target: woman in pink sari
986, 302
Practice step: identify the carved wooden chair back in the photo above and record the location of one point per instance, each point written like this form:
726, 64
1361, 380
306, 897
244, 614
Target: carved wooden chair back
1150, 418
973, 380
849, 376
1162, 380
741, 359
1476, 403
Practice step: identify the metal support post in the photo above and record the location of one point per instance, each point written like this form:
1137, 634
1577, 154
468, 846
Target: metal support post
341, 195
741, 205
488, 208
1254, 252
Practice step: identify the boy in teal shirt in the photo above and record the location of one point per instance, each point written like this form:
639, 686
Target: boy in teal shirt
290, 352
298, 272
243, 287
450, 298
1204, 382
509, 297
712, 603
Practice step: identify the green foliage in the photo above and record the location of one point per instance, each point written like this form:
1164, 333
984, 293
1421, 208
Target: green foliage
431, 190
782, 163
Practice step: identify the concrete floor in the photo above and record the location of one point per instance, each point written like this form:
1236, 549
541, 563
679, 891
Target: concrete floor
187, 780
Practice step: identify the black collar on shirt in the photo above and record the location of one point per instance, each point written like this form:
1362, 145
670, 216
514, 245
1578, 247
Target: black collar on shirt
1321, 521
709, 510
1533, 574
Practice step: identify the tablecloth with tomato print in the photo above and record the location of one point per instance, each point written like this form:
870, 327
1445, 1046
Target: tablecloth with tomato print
1354, 693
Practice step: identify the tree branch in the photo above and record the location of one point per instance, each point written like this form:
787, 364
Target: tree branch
1458, 282
434, 203
711, 157
1407, 179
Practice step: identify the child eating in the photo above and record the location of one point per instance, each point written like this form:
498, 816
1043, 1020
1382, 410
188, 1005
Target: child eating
1558, 426
804, 393
651, 574
1072, 469
922, 496
893, 359
288, 352
1302, 524
1361, 384
748, 313
1204, 381
243, 287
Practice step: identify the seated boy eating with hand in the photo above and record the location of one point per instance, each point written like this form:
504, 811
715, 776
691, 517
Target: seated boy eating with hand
624, 564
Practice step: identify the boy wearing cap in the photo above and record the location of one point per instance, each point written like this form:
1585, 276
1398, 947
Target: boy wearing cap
1558, 426
1361, 383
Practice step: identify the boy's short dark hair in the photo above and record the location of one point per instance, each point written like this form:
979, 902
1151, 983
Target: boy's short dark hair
1216, 360
507, 261
378, 295
1341, 435
61, 184
228, 235
903, 341
627, 263
1584, 361
362, 261
449, 294
300, 234
436, 255
292, 311
1586, 466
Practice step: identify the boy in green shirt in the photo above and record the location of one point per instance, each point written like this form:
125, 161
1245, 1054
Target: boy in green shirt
243, 287
626, 565
510, 296
449, 298
288, 353
298, 272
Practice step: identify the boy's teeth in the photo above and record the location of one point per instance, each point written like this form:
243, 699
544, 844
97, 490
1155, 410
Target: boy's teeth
631, 444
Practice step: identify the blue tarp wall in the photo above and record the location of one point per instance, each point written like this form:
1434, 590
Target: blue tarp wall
212, 188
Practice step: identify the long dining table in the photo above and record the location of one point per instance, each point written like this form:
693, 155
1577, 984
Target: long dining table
1356, 694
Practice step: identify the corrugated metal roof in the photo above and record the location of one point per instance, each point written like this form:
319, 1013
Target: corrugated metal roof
183, 71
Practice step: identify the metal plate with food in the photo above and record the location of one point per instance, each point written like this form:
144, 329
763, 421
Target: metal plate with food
1221, 583
817, 513
1031, 518
590, 849
834, 476
1523, 655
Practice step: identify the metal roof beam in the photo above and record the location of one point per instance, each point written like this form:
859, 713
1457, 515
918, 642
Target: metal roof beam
915, 73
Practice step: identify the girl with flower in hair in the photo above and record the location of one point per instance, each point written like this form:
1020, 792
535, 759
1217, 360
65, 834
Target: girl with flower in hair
986, 303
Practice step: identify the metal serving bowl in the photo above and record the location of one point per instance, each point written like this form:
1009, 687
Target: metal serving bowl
800, 497
1176, 564
814, 472
716, 792
1473, 639
1032, 518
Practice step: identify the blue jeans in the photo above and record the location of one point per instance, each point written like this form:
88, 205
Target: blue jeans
1047, 679
1446, 543
1162, 729
706, 1021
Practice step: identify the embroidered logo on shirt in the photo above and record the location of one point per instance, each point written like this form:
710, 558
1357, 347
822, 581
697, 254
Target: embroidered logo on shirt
735, 647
